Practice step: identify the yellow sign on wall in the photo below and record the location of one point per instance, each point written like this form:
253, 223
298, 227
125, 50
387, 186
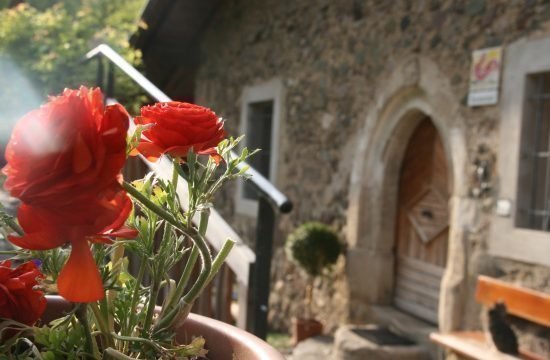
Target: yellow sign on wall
485, 76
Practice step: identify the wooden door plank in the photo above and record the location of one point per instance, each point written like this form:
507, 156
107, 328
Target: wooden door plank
422, 267
406, 293
419, 290
418, 279
420, 249
417, 309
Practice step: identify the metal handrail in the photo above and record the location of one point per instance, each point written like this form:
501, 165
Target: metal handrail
263, 185
255, 303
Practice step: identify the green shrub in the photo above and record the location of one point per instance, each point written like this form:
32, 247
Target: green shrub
313, 246
43, 43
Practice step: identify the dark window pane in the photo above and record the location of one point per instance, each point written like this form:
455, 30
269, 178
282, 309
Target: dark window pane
533, 210
258, 136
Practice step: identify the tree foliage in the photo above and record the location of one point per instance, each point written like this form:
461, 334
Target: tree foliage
43, 43
313, 246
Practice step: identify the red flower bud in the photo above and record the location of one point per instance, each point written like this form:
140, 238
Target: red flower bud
175, 127
18, 300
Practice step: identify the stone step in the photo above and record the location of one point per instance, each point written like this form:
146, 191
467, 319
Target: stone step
315, 348
353, 342
374, 342
405, 325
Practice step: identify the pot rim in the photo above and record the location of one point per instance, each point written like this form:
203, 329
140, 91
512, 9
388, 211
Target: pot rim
244, 345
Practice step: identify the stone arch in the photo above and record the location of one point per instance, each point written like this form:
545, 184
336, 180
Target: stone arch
415, 90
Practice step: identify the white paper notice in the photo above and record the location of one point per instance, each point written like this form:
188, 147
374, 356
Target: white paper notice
485, 76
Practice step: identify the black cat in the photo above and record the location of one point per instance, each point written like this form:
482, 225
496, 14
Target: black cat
502, 334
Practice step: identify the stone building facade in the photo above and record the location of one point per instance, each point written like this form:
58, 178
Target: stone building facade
354, 81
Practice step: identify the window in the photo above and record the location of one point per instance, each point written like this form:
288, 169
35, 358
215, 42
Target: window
520, 226
258, 136
533, 209
260, 117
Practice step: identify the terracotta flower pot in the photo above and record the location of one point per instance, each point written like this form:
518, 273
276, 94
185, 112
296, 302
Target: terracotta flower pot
223, 341
305, 328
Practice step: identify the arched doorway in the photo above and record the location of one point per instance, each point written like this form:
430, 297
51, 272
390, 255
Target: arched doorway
413, 90
422, 223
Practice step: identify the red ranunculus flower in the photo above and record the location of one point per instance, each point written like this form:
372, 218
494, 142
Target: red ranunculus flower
18, 300
64, 163
176, 127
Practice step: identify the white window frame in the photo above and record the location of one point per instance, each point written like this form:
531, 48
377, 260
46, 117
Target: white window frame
522, 58
271, 90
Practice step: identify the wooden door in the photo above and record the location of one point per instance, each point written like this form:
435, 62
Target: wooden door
422, 224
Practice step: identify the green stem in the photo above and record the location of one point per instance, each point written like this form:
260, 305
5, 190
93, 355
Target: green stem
171, 288
156, 282
81, 315
220, 259
10, 221
135, 297
177, 316
175, 175
14, 226
169, 318
203, 277
151, 308
144, 200
182, 283
172, 310
9, 252
192, 259
138, 339
198, 239
203, 223
116, 260
186, 272
180, 287
103, 326
114, 354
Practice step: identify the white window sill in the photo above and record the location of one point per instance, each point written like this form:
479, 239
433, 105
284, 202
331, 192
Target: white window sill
507, 241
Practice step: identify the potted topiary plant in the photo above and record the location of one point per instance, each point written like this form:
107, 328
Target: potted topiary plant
314, 247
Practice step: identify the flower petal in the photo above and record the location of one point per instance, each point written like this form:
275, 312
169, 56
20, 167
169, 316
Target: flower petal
41, 229
82, 156
37, 241
151, 151
123, 232
79, 280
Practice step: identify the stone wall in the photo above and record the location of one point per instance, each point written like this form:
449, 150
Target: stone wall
333, 57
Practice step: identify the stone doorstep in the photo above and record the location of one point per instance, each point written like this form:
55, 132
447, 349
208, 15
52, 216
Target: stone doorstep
350, 344
410, 327
405, 325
